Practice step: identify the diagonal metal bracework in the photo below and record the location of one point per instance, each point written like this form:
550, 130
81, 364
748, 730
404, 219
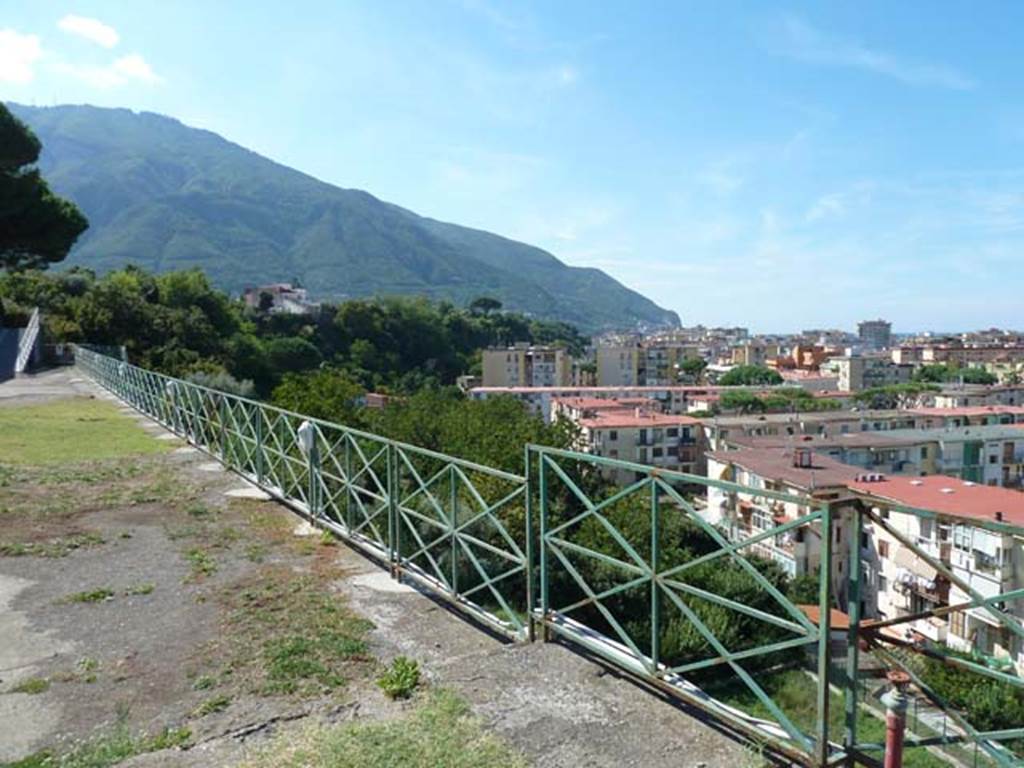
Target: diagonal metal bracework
646, 575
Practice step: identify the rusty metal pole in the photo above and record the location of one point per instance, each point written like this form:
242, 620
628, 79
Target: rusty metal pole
895, 718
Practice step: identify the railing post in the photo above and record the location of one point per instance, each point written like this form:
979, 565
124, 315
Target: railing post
655, 596
391, 454
222, 414
528, 524
824, 632
349, 485
853, 634
542, 494
258, 460
453, 518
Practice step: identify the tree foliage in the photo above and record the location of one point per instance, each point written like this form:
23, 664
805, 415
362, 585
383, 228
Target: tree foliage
750, 375
178, 323
893, 395
37, 228
949, 372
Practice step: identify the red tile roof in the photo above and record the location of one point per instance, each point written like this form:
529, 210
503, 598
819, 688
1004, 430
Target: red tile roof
625, 418
778, 464
948, 496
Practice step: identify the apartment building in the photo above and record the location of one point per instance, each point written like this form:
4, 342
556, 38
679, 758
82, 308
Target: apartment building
989, 455
721, 431
875, 334
755, 352
988, 560
618, 365
649, 363
798, 472
857, 372
965, 355
968, 395
523, 365
637, 434
976, 416
539, 400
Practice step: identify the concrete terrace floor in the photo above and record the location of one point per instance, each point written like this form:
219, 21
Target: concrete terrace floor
553, 705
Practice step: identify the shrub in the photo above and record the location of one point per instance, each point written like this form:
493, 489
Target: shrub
400, 679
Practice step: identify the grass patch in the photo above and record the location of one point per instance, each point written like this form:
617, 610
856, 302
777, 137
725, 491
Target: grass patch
106, 750
210, 706
56, 547
199, 510
63, 431
441, 733
289, 634
204, 683
32, 685
90, 596
400, 678
201, 564
140, 589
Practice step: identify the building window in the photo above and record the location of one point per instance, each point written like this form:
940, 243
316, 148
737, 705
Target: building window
883, 550
613, 435
657, 452
883, 584
958, 624
672, 432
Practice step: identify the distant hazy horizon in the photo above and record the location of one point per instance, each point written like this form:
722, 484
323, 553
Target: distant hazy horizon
790, 168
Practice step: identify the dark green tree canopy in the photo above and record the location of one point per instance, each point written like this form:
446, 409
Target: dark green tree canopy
37, 228
749, 375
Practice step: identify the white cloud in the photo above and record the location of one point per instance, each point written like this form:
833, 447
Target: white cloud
566, 75
123, 71
825, 206
18, 55
91, 29
804, 42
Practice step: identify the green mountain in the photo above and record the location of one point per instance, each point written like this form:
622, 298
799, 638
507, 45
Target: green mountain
166, 196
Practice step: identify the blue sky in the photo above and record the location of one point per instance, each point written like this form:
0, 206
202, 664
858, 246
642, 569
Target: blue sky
780, 167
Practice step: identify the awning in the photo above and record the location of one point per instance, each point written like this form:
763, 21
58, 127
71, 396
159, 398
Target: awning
907, 558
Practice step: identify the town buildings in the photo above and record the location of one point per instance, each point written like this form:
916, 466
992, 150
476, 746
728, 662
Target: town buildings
283, 298
958, 524
634, 431
958, 534
524, 365
859, 372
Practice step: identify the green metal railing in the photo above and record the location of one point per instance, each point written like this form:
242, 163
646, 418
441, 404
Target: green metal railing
434, 519
637, 574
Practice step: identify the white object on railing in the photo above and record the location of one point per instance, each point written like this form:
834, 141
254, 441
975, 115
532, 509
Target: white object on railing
27, 342
306, 437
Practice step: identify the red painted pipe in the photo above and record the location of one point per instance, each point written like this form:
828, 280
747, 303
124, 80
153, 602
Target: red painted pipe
895, 718
895, 723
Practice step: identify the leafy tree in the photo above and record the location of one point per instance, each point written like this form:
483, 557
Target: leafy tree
292, 354
491, 432
893, 395
741, 400
484, 305
37, 228
750, 375
948, 372
327, 394
693, 368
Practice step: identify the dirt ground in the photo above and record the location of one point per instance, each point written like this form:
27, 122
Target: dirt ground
177, 641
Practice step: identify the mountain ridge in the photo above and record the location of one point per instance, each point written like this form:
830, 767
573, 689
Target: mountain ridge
164, 195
